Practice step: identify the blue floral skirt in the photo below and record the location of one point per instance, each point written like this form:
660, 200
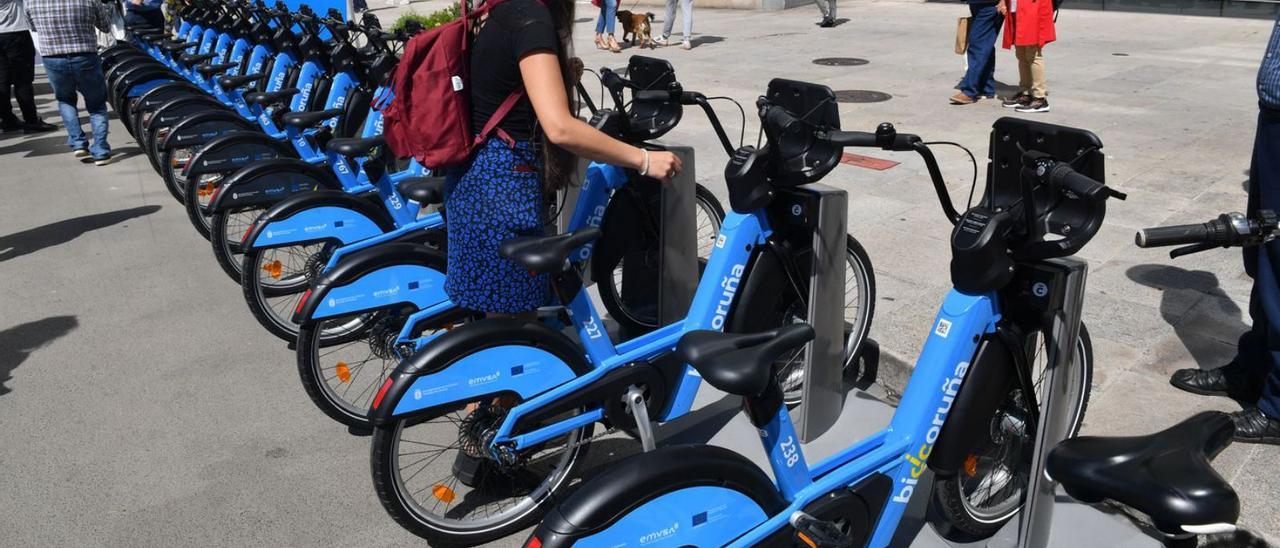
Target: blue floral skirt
497, 198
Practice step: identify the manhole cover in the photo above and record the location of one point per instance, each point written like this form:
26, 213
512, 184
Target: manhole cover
840, 61
861, 96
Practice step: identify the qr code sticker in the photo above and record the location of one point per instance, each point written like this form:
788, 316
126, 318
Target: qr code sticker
944, 328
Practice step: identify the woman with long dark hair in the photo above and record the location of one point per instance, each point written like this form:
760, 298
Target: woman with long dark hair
435, 477
504, 192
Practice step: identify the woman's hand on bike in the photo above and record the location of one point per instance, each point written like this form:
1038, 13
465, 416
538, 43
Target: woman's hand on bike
663, 166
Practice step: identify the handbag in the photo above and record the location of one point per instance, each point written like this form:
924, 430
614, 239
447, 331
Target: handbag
962, 34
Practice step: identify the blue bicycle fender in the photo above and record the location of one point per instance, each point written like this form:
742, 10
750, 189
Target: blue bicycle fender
324, 223
417, 285
519, 369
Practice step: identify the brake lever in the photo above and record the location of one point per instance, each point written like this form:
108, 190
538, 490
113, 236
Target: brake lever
1190, 249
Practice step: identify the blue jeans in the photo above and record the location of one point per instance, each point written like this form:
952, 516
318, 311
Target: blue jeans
81, 72
608, 16
983, 30
669, 18
1259, 348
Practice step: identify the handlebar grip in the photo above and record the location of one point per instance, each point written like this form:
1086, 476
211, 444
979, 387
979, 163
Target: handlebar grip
852, 138
1162, 236
652, 96
1083, 185
778, 118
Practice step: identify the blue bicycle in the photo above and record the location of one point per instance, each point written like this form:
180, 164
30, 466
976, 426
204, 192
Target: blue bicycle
973, 388
396, 287
477, 433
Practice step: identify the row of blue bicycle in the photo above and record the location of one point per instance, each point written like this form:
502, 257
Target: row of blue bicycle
265, 124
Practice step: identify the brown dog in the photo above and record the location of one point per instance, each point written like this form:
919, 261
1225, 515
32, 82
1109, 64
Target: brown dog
637, 25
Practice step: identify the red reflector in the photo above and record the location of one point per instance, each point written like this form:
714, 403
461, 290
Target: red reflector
868, 162
303, 302
245, 239
534, 542
386, 385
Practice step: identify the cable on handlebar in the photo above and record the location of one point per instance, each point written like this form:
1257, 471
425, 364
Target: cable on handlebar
742, 134
972, 160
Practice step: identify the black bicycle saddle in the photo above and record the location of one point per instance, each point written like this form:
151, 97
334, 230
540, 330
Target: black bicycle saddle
1165, 475
740, 364
546, 254
308, 118
231, 82
424, 190
352, 146
265, 98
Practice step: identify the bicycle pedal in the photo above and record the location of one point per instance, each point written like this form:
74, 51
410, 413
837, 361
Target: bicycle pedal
815, 533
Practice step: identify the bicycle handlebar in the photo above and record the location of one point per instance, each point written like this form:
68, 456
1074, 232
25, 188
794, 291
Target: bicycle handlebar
1228, 230
615, 84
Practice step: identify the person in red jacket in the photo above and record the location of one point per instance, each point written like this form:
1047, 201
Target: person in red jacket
1028, 26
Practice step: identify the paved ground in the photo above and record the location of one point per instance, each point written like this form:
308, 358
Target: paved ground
140, 404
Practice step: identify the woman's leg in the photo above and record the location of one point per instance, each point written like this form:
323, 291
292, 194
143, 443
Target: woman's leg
687, 9
611, 15
669, 19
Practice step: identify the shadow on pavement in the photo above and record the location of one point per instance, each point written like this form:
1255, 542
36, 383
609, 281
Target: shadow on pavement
33, 240
18, 342
703, 40
1174, 283
44, 146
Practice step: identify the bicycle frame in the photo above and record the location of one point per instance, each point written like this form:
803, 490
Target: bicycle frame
739, 236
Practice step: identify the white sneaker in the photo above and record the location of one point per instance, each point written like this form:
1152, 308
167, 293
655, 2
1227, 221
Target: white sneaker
662, 41
687, 45
80, 152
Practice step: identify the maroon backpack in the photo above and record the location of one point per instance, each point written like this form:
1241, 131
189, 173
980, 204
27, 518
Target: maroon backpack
429, 117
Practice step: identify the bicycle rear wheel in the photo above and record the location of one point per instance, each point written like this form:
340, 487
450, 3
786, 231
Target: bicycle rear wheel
434, 477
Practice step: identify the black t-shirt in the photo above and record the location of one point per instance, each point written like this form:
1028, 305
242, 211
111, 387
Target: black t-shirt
513, 29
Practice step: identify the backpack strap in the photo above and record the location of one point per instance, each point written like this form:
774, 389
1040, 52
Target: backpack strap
503, 110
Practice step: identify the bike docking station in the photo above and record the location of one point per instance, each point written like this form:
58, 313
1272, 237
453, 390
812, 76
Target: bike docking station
834, 413
825, 408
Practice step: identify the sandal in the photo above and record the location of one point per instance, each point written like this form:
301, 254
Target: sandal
600, 42
613, 44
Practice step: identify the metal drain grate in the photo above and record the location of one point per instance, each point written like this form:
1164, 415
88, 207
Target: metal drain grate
840, 61
861, 96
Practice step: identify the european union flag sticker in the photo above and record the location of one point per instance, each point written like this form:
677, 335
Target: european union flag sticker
517, 370
337, 224
413, 286
699, 519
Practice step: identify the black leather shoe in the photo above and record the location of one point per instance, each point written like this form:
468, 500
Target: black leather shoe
1229, 381
10, 126
1254, 426
827, 23
39, 126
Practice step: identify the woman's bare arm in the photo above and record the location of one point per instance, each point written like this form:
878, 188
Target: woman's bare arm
545, 87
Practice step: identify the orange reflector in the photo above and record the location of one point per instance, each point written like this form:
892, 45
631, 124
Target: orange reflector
971, 465
273, 269
806, 540
344, 372
534, 542
205, 190
443, 493
386, 385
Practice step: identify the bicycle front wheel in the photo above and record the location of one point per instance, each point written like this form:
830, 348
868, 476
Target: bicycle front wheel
991, 484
